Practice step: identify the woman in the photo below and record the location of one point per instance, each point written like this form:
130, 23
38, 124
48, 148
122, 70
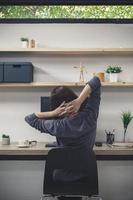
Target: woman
71, 117
72, 120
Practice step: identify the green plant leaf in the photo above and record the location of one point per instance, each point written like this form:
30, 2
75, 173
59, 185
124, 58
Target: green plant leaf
66, 12
113, 69
126, 117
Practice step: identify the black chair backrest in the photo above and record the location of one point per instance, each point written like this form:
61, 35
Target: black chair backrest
76, 160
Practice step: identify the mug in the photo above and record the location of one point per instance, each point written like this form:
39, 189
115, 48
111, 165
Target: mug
22, 142
27, 142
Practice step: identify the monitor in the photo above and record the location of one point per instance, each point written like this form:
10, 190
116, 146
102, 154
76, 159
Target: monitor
45, 104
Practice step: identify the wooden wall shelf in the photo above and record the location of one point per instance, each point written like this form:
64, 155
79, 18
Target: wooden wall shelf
66, 51
118, 84
69, 51
53, 84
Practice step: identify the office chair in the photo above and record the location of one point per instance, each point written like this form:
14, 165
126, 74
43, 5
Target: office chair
76, 160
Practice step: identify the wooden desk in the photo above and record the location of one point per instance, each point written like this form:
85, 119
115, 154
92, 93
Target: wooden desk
39, 152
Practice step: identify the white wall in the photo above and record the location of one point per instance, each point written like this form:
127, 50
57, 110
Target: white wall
16, 103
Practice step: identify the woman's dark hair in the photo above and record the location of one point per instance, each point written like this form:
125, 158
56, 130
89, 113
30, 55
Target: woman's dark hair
60, 94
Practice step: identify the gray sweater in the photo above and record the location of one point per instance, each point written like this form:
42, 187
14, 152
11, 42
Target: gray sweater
73, 130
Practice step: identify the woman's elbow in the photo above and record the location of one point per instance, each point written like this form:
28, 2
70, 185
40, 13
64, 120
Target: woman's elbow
27, 119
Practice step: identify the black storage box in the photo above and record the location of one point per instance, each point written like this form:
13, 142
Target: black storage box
18, 72
1, 72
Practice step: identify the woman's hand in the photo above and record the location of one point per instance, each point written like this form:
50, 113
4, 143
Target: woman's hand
54, 113
59, 111
73, 106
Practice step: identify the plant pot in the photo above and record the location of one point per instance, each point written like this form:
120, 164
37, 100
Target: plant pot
5, 141
113, 77
24, 44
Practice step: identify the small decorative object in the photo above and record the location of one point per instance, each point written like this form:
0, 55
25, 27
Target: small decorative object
110, 136
98, 144
23, 144
32, 43
113, 73
100, 75
5, 139
25, 42
126, 117
82, 70
26, 143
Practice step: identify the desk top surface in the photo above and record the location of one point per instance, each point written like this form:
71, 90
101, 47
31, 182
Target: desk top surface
41, 149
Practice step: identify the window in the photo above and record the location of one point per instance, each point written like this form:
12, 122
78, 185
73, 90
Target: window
67, 13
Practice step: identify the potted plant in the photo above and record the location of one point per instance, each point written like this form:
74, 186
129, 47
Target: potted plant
25, 42
5, 139
113, 73
126, 117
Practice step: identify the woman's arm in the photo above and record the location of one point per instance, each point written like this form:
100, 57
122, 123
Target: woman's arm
51, 114
68, 127
44, 115
90, 87
37, 120
74, 105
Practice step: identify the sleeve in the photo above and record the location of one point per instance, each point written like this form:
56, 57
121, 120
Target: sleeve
93, 101
35, 122
72, 127
94, 83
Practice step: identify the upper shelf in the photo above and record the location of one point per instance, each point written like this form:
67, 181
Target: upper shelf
53, 84
69, 51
